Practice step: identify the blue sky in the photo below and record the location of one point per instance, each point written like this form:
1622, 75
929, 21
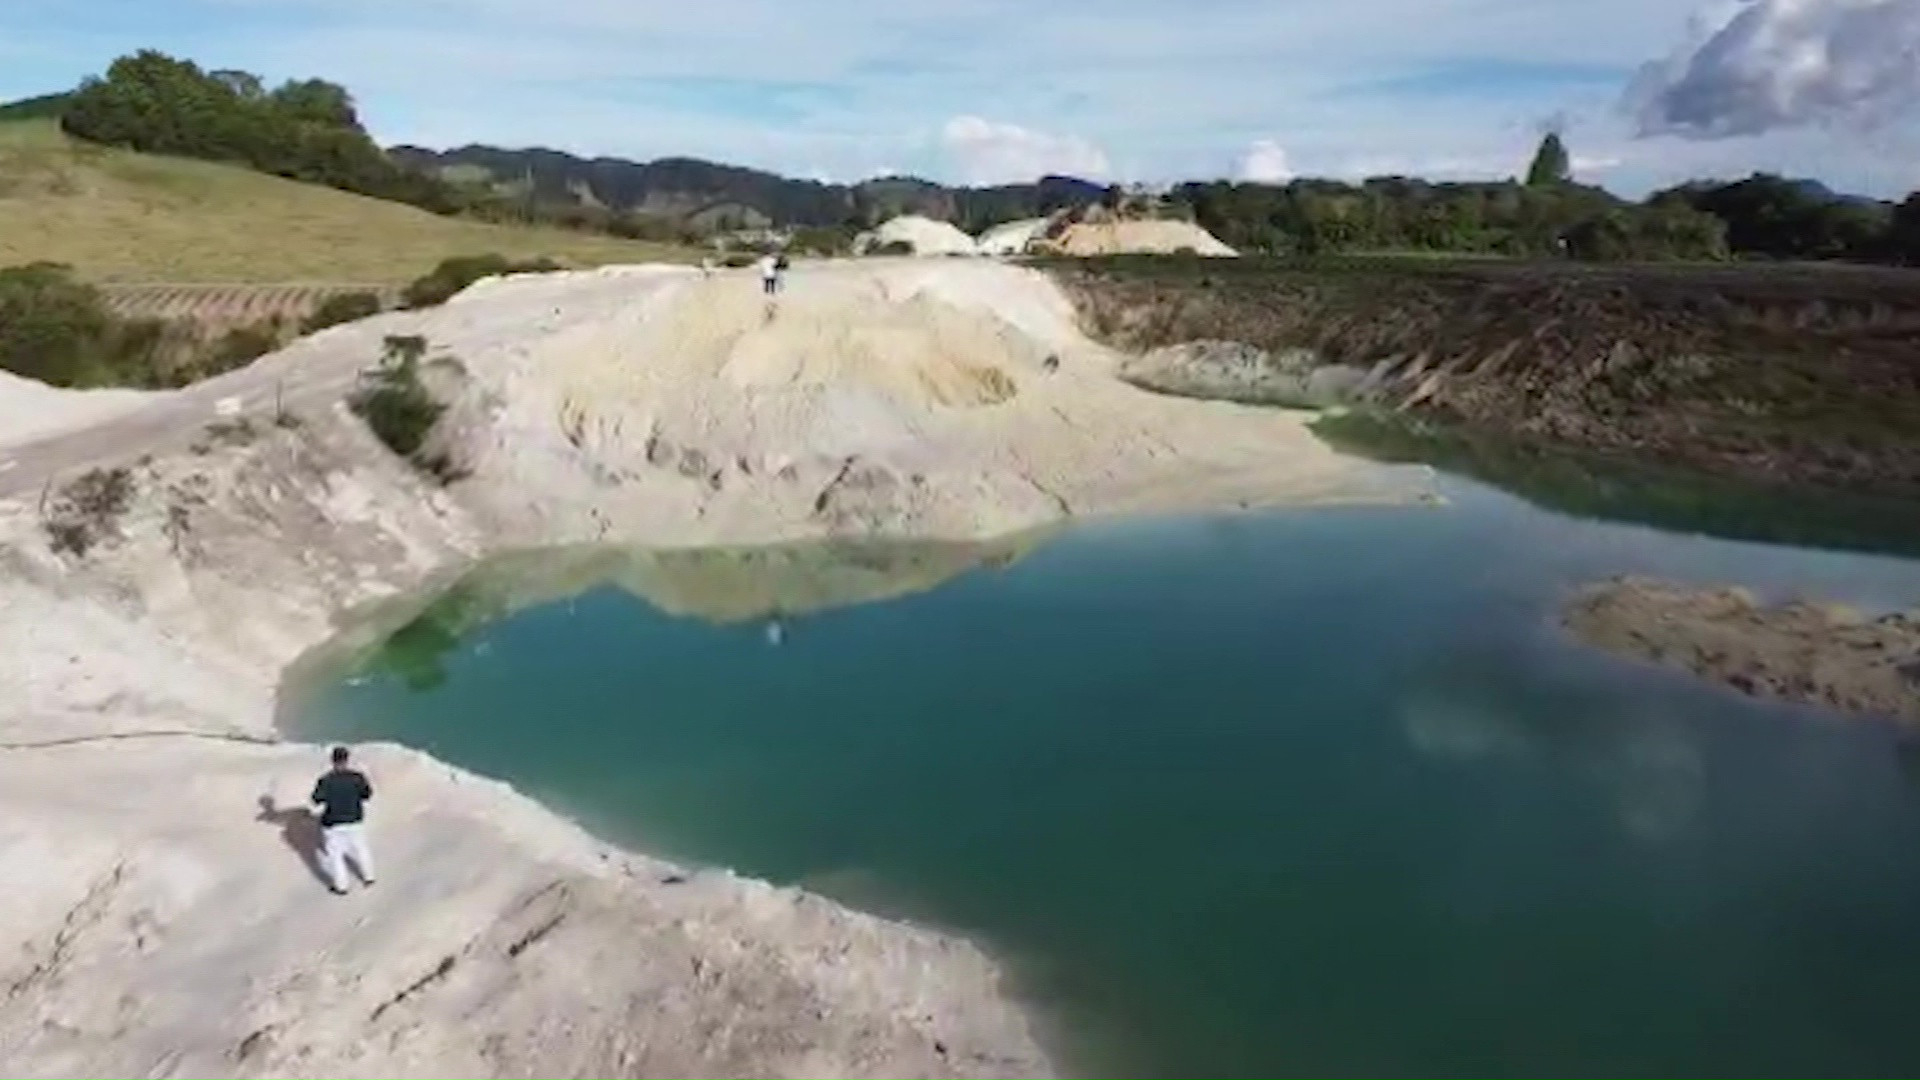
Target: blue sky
1648, 91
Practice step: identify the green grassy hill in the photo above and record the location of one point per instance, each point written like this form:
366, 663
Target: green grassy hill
118, 216
44, 107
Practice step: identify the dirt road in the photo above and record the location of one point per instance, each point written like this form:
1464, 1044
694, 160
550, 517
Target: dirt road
313, 373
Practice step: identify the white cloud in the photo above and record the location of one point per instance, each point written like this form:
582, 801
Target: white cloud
1265, 162
1138, 93
1486, 166
986, 152
1770, 64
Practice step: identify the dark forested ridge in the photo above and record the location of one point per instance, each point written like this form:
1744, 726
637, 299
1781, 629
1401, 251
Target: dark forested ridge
310, 130
689, 187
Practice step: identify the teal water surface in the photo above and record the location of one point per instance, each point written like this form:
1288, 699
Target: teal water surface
1304, 792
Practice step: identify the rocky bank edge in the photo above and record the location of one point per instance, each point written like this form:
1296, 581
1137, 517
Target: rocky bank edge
159, 919
1766, 373
1815, 654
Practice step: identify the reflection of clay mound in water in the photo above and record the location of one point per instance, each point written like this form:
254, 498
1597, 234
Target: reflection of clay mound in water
739, 585
722, 585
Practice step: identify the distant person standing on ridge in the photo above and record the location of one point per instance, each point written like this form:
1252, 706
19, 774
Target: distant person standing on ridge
769, 274
342, 795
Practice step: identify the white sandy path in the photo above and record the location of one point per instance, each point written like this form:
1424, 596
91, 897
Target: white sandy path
32, 410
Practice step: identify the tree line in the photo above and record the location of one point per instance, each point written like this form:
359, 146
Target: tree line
309, 130
305, 130
1548, 214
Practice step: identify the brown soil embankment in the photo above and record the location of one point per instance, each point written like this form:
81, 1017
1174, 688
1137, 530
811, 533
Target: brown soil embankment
1793, 374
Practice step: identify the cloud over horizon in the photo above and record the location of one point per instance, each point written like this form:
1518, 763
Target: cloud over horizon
1265, 162
983, 152
989, 91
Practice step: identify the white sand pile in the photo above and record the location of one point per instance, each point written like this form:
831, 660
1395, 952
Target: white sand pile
1012, 238
1156, 237
923, 235
32, 410
947, 400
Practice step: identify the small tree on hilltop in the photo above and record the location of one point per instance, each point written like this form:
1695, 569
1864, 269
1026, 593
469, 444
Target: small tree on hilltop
1551, 166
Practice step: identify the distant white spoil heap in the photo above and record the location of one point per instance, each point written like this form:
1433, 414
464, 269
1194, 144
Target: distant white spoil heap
1151, 237
1013, 238
921, 235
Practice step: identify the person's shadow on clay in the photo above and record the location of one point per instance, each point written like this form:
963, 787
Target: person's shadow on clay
300, 830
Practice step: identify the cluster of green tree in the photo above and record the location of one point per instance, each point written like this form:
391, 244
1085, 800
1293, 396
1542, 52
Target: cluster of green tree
1772, 217
305, 130
1547, 215
342, 308
60, 331
629, 225
980, 209
452, 276
825, 240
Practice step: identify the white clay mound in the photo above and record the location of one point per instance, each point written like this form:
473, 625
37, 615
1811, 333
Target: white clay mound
1140, 238
923, 235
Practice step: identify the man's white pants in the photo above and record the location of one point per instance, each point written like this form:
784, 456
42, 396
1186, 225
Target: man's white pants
340, 844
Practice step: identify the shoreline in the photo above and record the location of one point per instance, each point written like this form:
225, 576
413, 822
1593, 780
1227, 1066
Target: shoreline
991, 1036
228, 561
1772, 374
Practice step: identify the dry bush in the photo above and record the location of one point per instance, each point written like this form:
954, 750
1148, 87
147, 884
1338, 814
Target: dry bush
88, 511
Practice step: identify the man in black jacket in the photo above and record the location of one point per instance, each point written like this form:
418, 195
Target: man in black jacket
342, 795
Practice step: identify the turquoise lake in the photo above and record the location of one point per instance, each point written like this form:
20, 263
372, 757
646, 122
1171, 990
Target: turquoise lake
1303, 792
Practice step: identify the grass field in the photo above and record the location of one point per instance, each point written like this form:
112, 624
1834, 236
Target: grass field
117, 216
